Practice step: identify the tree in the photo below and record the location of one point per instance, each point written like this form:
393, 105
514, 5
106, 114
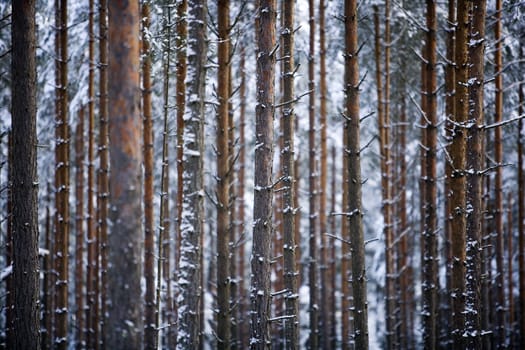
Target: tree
353, 153
312, 188
79, 227
190, 273
457, 178
429, 248
23, 177
223, 179
151, 308
125, 322
263, 190
474, 177
521, 213
62, 186
291, 321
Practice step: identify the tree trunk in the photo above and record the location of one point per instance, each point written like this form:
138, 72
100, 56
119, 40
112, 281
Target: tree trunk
510, 256
499, 322
474, 166
521, 215
457, 179
189, 278
79, 227
312, 188
223, 180
263, 190
429, 273
101, 275
91, 234
23, 177
150, 307
291, 322
125, 323
355, 210
62, 189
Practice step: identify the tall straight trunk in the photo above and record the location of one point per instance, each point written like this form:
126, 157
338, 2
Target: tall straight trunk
291, 322
333, 252
23, 178
101, 274
521, 215
47, 283
499, 334
449, 116
326, 295
91, 233
79, 228
312, 188
457, 179
10, 291
189, 278
474, 166
150, 305
62, 190
163, 245
125, 322
353, 152
429, 244
510, 267
223, 179
181, 28
346, 292
260, 297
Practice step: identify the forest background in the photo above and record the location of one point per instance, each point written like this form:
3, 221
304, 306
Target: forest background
406, 187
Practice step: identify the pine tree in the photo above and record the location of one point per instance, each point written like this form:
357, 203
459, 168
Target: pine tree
125, 323
23, 177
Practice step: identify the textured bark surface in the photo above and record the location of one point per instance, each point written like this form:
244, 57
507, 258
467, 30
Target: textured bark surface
263, 192
457, 178
190, 273
125, 241
474, 165
62, 226
291, 298
223, 179
429, 242
23, 178
353, 152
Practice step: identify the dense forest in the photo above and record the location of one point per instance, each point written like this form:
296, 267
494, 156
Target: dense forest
308, 174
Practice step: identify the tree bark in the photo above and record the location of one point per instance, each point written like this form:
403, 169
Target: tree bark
291, 322
474, 177
353, 152
189, 278
23, 177
125, 322
312, 188
263, 191
79, 228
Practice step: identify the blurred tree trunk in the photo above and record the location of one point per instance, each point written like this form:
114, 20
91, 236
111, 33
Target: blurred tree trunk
474, 178
457, 179
23, 179
355, 210
223, 179
291, 322
312, 188
260, 294
151, 308
510, 267
91, 233
500, 307
79, 228
521, 215
429, 250
62, 188
101, 271
125, 313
